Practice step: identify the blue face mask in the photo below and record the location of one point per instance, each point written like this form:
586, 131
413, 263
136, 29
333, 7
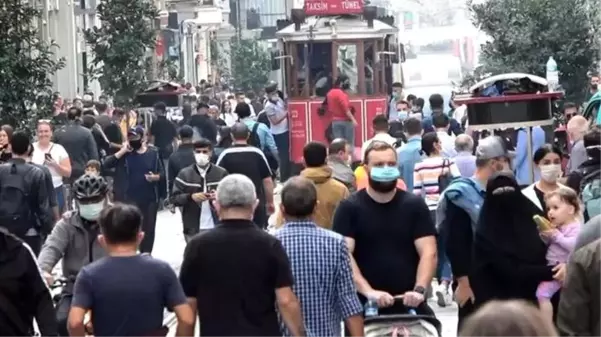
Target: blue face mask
384, 173
402, 114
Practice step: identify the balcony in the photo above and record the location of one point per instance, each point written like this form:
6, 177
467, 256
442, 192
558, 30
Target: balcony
206, 13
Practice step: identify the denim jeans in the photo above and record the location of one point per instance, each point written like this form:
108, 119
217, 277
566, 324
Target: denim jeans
59, 192
344, 129
443, 270
282, 141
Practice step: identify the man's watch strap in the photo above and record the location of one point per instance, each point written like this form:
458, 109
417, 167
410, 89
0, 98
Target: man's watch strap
420, 289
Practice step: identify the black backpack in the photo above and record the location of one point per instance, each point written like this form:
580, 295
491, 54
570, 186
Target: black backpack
15, 205
254, 139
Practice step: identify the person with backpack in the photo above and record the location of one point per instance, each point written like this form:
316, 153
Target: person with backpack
430, 178
586, 180
23, 293
202, 124
25, 208
260, 135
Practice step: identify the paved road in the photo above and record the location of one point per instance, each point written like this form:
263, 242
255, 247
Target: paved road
169, 246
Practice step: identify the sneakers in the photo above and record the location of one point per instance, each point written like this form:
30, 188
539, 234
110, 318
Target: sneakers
443, 296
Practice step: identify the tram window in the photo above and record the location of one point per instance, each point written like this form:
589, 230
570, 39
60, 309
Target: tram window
347, 64
300, 66
370, 69
321, 68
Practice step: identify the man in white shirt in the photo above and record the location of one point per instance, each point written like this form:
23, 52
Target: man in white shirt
380, 126
441, 125
277, 113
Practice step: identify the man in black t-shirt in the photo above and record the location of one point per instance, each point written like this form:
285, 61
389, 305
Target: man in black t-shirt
163, 133
234, 275
250, 161
390, 235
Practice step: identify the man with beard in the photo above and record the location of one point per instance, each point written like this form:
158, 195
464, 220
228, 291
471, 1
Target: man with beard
457, 215
391, 237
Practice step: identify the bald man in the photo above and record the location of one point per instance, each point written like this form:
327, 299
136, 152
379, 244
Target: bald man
577, 127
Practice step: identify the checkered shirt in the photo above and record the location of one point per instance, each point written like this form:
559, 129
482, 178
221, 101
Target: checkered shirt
323, 278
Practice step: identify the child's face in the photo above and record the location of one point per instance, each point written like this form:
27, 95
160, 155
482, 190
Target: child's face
559, 212
92, 171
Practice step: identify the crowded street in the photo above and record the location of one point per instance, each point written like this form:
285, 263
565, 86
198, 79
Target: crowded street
170, 245
300, 168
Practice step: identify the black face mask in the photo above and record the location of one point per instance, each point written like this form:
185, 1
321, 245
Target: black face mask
594, 86
135, 144
346, 86
382, 187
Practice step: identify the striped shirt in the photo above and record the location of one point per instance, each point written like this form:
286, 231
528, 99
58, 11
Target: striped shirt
425, 178
323, 278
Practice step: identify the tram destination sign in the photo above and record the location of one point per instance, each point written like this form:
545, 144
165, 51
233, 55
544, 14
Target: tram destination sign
333, 7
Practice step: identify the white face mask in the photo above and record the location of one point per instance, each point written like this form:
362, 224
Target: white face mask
202, 159
91, 212
550, 173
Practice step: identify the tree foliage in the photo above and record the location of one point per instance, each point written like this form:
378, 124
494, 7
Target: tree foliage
120, 47
523, 34
251, 64
26, 64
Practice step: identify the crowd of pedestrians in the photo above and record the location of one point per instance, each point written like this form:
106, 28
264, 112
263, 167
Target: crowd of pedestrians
431, 205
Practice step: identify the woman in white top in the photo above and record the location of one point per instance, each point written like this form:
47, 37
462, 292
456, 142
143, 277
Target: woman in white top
55, 157
228, 114
548, 160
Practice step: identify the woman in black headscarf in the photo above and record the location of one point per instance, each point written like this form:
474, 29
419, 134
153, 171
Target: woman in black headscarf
509, 256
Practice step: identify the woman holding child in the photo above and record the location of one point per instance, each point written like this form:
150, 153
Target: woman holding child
512, 258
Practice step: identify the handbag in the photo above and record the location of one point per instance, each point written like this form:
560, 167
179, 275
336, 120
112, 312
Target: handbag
445, 178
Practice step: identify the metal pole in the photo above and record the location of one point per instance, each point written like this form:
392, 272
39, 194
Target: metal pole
239, 23
154, 68
529, 158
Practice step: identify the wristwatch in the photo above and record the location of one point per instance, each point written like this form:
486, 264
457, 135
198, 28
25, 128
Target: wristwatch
420, 289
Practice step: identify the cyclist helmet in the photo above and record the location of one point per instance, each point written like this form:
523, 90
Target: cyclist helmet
90, 187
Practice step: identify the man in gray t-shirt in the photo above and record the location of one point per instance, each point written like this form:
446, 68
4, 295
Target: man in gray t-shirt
589, 232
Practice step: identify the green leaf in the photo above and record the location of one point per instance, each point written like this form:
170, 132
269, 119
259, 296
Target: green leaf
26, 66
120, 47
525, 33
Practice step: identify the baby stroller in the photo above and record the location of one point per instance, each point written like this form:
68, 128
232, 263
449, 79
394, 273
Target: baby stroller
403, 325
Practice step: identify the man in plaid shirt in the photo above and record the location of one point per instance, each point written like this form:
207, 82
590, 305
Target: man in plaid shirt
323, 278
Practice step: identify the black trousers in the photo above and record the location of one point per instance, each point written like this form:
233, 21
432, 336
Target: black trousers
34, 242
62, 313
260, 218
282, 141
149, 212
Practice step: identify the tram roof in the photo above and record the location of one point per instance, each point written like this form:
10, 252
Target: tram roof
346, 28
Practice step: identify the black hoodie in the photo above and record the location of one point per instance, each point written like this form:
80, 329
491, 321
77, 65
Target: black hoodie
23, 292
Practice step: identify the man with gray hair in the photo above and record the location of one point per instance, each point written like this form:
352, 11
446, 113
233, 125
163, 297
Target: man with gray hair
238, 263
577, 128
331, 288
465, 159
